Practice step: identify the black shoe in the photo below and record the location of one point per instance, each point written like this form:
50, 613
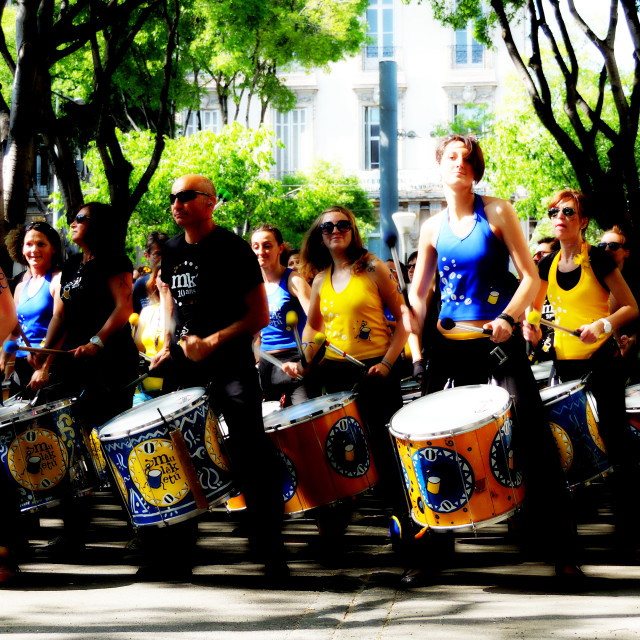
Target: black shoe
276, 572
63, 548
414, 578
164, 574
570, 575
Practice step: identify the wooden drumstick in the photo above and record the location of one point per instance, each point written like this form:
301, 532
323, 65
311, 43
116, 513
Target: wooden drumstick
11, 347
449, 323
274, 361
344, 354
535, 317
292, 322
184, 458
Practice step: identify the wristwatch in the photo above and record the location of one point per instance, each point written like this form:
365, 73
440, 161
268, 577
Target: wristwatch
96, 340
606, 325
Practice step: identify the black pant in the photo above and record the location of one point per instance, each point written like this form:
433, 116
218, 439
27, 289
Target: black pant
276, 383
548, 502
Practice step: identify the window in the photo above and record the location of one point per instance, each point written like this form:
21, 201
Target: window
467, 51
291, 130
380, 22
371, 138
471, 118
209, 120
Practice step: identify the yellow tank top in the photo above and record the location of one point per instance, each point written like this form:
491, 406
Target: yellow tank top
585, 303
152, 337
354, 318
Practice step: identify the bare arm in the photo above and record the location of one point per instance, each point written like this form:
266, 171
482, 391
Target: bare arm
300, 288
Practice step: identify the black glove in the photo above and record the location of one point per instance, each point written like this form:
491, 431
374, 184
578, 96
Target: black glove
419, 370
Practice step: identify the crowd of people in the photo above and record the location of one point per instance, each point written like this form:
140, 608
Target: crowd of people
286, 326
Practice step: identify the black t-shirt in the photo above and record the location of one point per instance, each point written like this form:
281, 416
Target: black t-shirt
88, 303
209, 281
600, 261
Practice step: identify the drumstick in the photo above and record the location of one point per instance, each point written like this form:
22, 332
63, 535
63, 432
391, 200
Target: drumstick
535, 317
292, 321
11, 347
274, 361
449, 323
344, 354
391, 239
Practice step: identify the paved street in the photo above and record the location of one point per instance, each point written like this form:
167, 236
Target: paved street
490, 592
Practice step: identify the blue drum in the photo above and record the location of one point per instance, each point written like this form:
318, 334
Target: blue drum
164, 454
573, 419
43, 452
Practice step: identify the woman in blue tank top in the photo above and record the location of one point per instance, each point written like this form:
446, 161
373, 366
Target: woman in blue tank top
286, 291
38, 247
465, 250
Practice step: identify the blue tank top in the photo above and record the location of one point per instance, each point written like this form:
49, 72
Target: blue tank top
276, 336
475, 283
35, 313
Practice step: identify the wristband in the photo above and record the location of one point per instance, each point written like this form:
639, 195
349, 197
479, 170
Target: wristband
507, 318
383, 361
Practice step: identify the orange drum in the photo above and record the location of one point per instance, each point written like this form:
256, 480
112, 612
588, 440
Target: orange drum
455, 448
325, 451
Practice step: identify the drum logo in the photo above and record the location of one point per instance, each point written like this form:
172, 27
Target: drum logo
289, 479
503, 465
445, 478
37, 459
347, 449
156, 472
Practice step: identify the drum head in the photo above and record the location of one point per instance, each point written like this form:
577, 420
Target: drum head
307, 410
451, 411
33, 413
552, 394
149, 413
632, 398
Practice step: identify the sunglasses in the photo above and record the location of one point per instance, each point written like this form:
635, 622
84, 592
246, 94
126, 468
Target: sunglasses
81, 218
541, 254
567, 212
342, 226
187, 195
37, 225
614, 246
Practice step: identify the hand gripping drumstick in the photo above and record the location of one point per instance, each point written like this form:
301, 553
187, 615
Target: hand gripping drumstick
391, 239
449, 323
184, 458
11, 347
535, 317
274, 361
292, 321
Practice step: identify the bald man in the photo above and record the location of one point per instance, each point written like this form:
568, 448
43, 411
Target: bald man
219, 302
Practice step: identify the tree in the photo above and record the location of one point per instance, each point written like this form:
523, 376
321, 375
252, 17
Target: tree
246, 43
601, 149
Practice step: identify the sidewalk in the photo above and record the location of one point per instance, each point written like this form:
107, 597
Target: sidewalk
489, 593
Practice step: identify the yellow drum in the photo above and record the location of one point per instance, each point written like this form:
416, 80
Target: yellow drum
456, 452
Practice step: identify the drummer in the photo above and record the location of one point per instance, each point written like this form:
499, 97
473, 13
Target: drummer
10, 521
350, 290
581, 282
218, 310
469, 246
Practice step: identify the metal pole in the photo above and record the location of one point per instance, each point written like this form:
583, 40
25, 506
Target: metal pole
388, 150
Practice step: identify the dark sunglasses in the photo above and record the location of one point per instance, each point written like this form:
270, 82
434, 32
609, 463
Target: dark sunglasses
187, 195
567, 212
342, 226
541, 254
37, 225
614, 246
81, 218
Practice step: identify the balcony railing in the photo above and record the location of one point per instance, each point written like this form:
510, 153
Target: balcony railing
372, 54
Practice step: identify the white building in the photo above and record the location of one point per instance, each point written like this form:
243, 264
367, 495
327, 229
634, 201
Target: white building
440, 72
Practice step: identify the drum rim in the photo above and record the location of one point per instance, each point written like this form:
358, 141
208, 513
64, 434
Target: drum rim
192, 404
347, 398
565, 393
466, 428
29, 413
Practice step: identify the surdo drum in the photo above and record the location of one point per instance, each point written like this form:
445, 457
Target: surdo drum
456, 453
43, 452
573, 419
168, 458
324, 450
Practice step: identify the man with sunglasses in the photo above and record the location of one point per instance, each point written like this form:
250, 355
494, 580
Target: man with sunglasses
219, 302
